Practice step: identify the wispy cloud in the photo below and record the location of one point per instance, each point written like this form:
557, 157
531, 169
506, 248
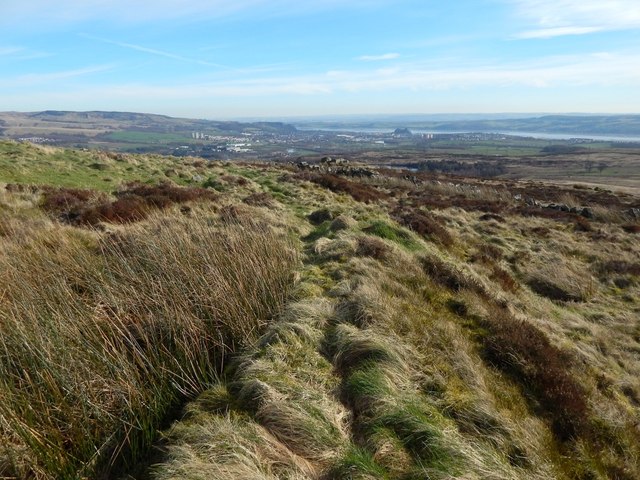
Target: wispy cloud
558, 32
378, 58
331, 91
156, 52
574, 71
553, 18
51, 77
4, 51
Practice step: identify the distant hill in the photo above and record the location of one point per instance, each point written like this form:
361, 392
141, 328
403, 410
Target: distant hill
561, 124
82, 127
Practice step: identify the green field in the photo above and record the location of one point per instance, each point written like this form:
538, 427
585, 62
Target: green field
144, 138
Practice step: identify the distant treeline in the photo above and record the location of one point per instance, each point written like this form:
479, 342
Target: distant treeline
562, 149
475, 169
456, 167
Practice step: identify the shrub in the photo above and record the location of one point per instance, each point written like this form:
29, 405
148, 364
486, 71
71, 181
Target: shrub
60, 200
487, 253
548, 213
234, 180
125, 209
581, 224
618, 266
359, 191
235, 214
166, 193
520, 349
260, 199
460, 201
492, 216
542, 232
426, 225
504, 279
448, 275
133, 203
631, 228
319, 216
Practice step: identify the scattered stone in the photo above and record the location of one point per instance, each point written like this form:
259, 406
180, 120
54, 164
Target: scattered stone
587, 212
356, 172
319, 216
492, 216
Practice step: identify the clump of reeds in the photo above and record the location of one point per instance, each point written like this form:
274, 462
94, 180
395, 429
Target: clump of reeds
101, 338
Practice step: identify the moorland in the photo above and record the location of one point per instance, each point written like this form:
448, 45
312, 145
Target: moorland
175, 317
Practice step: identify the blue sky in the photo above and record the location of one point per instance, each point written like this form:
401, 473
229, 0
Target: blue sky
279, 58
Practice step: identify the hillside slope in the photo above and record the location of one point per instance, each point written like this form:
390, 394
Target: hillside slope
397, 326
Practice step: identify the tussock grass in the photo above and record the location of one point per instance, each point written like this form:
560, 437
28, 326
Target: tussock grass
338, 249
369, 246
282, 386
101, 337
358, 464
387, 231
450, 275
286, 387
228, 446
351, 347
319, 216
558, 280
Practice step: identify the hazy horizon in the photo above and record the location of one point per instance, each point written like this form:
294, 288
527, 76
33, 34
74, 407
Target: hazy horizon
282, 59
354, 117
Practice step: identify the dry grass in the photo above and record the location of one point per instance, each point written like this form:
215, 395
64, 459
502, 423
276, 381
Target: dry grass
558, 280
282, 388
400, 358
228, 446
101, 337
